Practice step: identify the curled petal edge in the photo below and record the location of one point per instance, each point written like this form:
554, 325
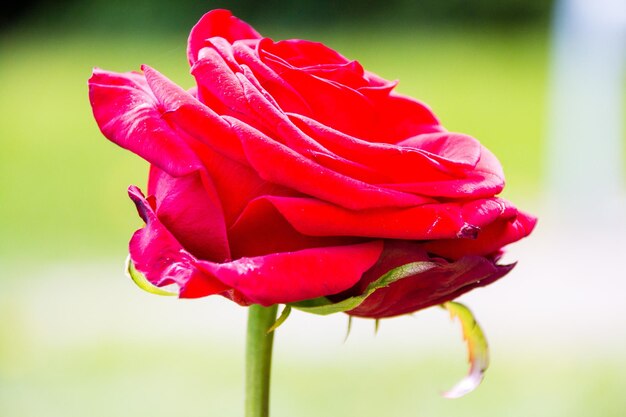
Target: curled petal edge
142, 282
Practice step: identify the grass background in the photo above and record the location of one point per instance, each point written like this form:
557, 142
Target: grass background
76, 339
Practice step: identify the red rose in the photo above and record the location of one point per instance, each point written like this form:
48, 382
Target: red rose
289, 174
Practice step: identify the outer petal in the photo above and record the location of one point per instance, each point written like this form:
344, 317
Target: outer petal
186, 113
402, 117
129, 115
216, 145
486, 179
453, 149
429, 221
498, 234
276, 278
435, 286
217, 23
162, 260
304, 54
295, 276
190, 209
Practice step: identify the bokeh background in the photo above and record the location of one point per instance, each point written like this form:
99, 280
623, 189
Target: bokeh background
540, 86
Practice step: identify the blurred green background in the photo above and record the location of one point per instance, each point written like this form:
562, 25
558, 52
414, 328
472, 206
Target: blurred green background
77, 339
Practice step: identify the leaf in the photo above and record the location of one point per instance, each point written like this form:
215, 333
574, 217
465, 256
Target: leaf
142, 282
324, 306
478, 351
281, 319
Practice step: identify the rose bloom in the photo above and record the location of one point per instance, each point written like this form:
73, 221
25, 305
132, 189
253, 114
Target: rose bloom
290, 173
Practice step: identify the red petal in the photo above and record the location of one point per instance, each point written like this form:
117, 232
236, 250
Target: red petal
217, 23
296, 276
402, 164
484, 180
332, 103
185, 112
302, 53
402, 117
162, 260
261, 229
218, 86
218, 148
128, 114
191, 210
490, 240
453, 149
285, 95
443, 283
276, 278
279, 164
429, 221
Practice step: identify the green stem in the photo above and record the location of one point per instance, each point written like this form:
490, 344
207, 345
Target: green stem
259, 359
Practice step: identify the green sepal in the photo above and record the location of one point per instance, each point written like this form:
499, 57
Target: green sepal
477, 349
281, 319
143, 283
324, 306
348, 330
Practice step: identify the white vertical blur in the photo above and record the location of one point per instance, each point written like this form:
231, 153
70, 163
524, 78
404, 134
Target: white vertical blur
585, 137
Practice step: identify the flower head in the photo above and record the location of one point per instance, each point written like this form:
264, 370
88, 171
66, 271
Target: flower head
290, 174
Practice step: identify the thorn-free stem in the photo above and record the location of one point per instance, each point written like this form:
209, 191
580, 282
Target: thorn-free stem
259, 359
